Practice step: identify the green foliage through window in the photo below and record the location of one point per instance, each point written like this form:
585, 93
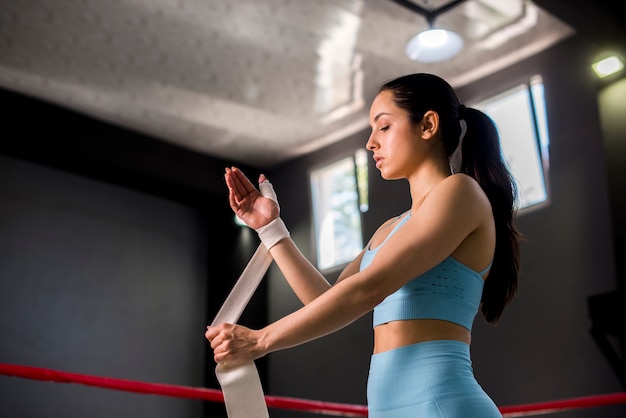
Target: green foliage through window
339, 192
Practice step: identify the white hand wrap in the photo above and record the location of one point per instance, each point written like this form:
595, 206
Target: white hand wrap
267, 190
276, 230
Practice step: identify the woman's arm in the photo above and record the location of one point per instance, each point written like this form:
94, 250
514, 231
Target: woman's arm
257, 211
451, 213
305, 280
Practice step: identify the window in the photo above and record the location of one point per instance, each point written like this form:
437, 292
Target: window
520, 116
339, 192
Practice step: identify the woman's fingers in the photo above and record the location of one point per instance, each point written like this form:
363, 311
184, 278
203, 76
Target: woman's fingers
234, 185
241, 182
233, 200
246, 200
216, 338
211, 333
231, 342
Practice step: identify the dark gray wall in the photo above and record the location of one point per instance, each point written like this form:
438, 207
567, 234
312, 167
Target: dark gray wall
542, 349
612, 104
97, 279
611, 325
116, 250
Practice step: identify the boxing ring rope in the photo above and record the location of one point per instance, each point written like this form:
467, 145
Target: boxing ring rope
326, 408
212, 395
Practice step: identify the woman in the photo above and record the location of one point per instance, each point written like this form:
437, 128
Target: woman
425, 273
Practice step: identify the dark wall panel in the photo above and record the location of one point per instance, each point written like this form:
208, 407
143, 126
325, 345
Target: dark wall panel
97, 279
137, 172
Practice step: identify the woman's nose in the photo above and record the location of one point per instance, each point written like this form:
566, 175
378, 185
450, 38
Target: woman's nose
371, 143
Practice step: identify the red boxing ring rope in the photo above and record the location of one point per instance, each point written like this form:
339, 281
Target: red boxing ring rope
328, 408
213, 395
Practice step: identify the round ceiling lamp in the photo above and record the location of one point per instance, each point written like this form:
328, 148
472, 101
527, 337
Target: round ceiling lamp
434, 45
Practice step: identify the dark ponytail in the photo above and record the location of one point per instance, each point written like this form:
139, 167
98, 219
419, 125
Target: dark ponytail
481, 159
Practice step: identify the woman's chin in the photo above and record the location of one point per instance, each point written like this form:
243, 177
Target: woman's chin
389, 176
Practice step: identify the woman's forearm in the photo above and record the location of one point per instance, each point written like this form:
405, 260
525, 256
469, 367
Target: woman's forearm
341, 305
305, 280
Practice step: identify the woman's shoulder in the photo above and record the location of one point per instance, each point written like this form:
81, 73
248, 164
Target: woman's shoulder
460, 180
462, 187
458, 195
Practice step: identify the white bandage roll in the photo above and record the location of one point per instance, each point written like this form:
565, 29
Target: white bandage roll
243, 393
241, 385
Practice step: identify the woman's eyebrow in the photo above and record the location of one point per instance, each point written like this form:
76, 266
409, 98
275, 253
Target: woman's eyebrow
379, 115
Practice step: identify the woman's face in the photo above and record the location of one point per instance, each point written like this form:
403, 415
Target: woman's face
394, 140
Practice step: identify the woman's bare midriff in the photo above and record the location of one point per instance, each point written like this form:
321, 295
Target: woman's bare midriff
398, 334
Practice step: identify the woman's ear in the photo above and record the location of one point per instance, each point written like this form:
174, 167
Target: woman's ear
429, 126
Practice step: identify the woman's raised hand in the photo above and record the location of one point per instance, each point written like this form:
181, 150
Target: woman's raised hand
247, 202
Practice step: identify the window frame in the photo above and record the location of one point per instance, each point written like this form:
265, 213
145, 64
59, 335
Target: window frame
541, 136
314, 233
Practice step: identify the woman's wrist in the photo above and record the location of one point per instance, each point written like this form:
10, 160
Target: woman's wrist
263, 342
273, 232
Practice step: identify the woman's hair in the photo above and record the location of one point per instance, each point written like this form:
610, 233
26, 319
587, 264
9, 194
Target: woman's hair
481, 158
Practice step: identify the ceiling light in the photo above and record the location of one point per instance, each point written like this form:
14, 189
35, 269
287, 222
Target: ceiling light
434, 45
607, 66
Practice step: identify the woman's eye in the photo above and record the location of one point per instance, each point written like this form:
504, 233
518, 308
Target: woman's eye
384, 128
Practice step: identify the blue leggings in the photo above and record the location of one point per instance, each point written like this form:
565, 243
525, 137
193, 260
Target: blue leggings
433, 379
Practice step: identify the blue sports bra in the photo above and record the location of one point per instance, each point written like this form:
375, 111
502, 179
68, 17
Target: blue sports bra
450, 291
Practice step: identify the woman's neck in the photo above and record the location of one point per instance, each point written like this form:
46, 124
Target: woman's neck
422, 182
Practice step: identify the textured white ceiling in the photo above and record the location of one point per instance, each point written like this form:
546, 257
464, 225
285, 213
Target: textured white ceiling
249, 81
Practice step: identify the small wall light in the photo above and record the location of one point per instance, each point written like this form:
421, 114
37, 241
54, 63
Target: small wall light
607, 66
